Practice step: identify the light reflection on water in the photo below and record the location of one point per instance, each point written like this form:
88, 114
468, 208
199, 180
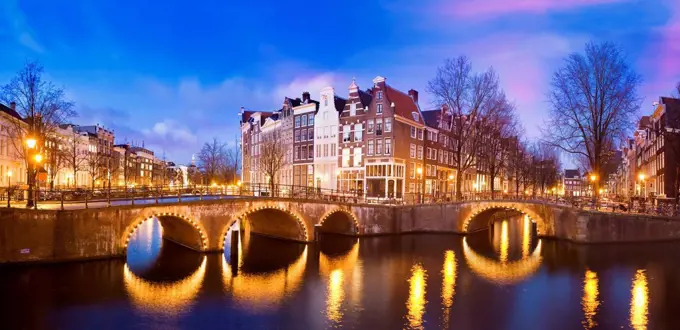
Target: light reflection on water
487, 280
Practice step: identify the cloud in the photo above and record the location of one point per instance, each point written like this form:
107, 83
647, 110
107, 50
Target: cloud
494, 8
169, 134
662, 62
312, 84
18, 27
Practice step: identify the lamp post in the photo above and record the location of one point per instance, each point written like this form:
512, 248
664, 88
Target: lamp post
34, 158
448, 183
474, 190
9, 187
642, 184
419, 171
593, 179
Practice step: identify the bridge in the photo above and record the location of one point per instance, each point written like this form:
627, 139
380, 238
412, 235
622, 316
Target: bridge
202, 225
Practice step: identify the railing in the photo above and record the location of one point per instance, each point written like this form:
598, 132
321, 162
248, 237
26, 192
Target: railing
104, 196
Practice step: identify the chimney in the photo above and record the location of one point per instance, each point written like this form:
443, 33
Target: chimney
413, 94
13, 105
305, 97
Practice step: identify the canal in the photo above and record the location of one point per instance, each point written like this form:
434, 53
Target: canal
501, 278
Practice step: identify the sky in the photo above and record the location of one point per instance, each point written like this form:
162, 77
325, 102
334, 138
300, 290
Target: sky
174, 74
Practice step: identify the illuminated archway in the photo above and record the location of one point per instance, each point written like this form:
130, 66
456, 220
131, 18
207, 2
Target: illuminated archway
339, 221
483, 215
273, 221
176, 227
164, 297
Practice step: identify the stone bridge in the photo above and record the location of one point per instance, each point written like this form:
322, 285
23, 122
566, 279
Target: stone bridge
43, 235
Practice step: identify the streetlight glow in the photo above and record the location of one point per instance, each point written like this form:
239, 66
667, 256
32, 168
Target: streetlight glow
9, 173
419, 170
642, 177
38, 158
31, 142
593, 177
450, 176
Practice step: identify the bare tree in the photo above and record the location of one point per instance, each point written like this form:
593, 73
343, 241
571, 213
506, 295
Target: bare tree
55, 158
75, 157
272, 157
42, 105
233, 162
594, 98
517, 163
95, 162
212, 158
497, 130
469, 98
677, 90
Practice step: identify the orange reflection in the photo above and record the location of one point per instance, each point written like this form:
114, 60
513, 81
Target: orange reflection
263, 291
502, 272
505, 241
590, 300
335, 269
526, 236
639, 304
167, 298
416, 300
448, 284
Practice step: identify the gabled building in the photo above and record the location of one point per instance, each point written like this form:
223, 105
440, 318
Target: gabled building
326, 124
303, 143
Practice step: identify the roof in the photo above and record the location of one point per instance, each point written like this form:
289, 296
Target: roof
571, 174
644, 122
246, 115
339, 103
9, 111
670, 101
431, 117
403, 104
365, 97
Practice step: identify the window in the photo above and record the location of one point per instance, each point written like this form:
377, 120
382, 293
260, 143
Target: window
370, 148
297, 153
388, 124
297, 122
379, 110
420, 134
378, 127
310, 134
297, 135
334, 130
325, 150
413, 132
378, 147
345, 157
446, 157
311, 118
369, 130
325, 115
379, 95
415, 115
303, 121
412, 187
334, 148
303, 134
346, 130
325, 101
413, 150
388, 146
420, 152
318, 152
357, 157
413, 170
358, 132
326, 131
353, 109
428, 170
311, 151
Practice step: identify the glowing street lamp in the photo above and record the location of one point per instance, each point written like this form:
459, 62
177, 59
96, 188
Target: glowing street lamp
31, 143
38, 158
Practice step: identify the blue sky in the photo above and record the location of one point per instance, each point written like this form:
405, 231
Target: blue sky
175, 73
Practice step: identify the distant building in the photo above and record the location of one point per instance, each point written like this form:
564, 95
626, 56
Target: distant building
573, 183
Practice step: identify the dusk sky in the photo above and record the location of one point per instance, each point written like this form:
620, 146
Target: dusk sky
175, 73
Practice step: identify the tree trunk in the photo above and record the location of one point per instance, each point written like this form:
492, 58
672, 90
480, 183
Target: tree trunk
459, 184
491, 184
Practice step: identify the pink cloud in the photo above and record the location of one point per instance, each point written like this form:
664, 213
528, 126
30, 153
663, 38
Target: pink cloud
663, 60
486, 8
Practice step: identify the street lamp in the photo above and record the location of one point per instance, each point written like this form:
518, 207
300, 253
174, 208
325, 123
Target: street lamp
642, 184
32, 144
9, 186
419, 170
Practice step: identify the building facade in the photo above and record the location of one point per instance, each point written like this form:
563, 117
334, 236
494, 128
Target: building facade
326, 124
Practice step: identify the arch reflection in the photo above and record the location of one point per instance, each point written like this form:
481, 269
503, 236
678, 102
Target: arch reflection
416, 298
449, 273
261, 290
639, 303
337, 270
163, 297
502, 272
590, 300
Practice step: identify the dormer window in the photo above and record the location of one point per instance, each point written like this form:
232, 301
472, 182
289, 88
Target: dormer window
379, 95
379, 109
415, 115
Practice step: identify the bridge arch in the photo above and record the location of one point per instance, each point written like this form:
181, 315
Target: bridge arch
480, 216
271, 220
339, 221
176, 227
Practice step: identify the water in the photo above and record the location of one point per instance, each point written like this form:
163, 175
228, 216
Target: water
498, 279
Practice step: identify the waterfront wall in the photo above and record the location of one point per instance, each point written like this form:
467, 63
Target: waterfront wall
36, 236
